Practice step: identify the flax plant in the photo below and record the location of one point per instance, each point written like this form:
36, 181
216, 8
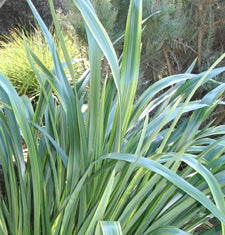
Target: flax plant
115, 168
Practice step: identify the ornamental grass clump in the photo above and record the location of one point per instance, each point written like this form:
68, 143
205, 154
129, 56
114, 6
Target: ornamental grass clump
114, 169
16, 67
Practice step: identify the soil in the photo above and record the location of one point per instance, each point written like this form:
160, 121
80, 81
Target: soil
16, 13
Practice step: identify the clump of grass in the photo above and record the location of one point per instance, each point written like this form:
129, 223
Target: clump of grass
15, 64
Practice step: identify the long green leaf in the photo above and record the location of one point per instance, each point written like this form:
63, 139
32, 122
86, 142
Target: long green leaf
108, 228
73, 198
20, 115
101, 37
131, 59
174, 178
168, 230
100, 210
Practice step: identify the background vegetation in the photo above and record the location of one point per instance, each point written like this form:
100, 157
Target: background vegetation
15, 64
181, 32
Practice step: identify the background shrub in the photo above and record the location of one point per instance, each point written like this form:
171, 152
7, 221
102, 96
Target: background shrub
182, 31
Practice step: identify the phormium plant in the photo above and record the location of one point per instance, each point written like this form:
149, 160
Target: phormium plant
115, 168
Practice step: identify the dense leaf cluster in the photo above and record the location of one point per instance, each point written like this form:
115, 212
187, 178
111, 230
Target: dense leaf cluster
114, 167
